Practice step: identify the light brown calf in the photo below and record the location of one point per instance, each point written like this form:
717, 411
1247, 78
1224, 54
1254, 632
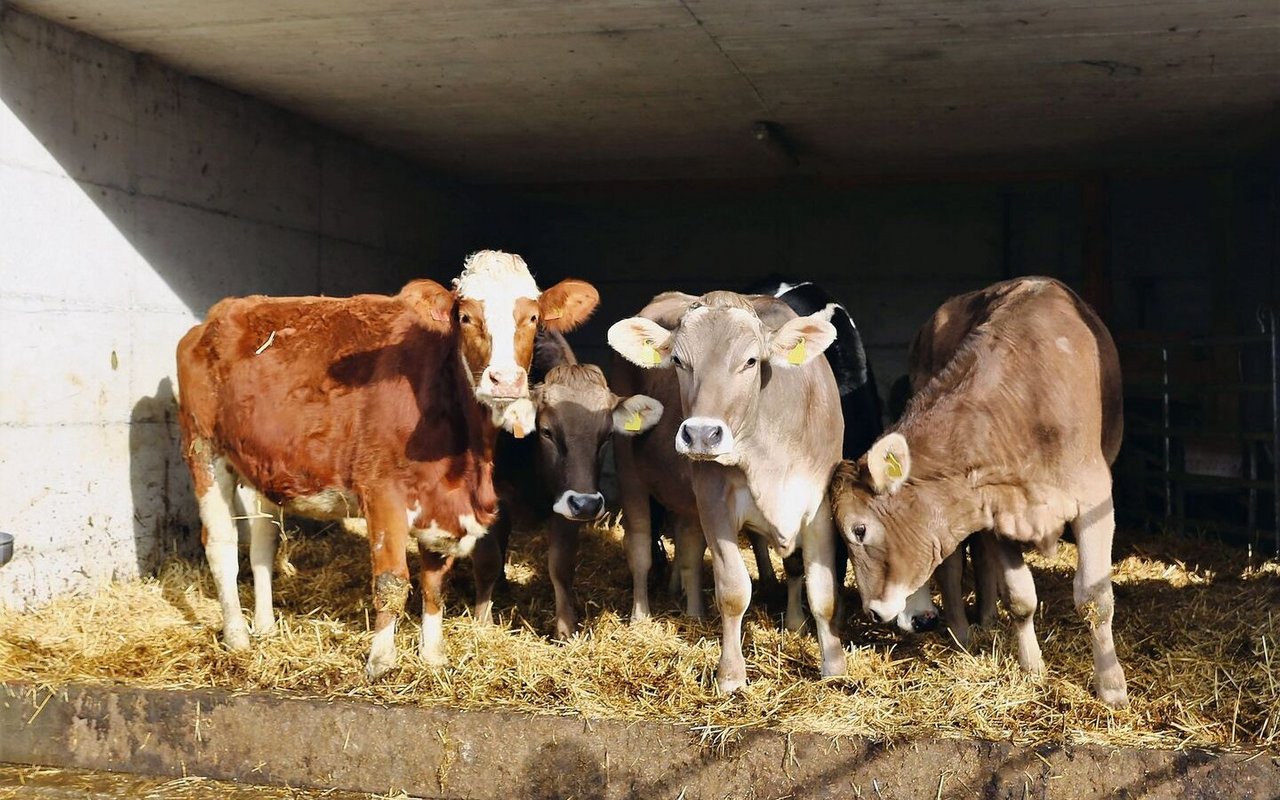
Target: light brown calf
1015, 435
762, 427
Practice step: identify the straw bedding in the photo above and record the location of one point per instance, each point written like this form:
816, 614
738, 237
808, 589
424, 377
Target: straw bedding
1196, 628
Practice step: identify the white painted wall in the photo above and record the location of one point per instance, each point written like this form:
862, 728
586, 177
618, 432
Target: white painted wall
131, 199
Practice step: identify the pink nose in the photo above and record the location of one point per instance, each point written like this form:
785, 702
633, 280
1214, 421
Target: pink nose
508, 383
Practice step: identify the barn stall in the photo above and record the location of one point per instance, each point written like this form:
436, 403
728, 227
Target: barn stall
157, 157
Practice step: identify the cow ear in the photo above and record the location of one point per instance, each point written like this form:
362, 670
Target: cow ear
641, 341
430, 302
636, 414
567, 305
889, 462
802, 339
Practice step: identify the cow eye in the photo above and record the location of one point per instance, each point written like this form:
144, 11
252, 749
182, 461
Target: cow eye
465, 319
546, 433
534, 319
751, 362
676, 360
860, 532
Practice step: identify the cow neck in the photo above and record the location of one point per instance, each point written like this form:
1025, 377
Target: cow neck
446, 395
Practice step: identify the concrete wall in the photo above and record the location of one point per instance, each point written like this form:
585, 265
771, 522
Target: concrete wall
132, 198
890, 253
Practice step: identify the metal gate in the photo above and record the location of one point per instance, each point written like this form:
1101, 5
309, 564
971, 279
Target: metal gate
1202, 433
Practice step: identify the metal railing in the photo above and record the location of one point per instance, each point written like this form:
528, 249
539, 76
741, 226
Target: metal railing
1201, 399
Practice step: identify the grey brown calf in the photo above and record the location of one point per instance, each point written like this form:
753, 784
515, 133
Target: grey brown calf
1015, 435
553, 474
762, 427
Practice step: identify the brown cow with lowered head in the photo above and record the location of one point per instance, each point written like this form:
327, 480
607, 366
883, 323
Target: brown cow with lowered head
370, 406
762, 427
1015, 435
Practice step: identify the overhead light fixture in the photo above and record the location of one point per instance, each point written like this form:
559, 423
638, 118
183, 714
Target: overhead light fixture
774, 137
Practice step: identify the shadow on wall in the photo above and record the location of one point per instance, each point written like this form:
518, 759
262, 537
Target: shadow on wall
163, 504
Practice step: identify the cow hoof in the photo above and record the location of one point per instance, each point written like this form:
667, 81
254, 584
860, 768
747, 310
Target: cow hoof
835, 666
639, 616
794, 622
921, 623
378, 666
730, 685
236, 638
433, 658
1114, 697
264, 628
565, 631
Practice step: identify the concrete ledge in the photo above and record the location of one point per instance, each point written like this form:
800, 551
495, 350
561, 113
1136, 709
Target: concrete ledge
436, 752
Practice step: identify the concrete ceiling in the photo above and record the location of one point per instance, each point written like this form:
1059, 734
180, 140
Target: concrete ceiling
549, 90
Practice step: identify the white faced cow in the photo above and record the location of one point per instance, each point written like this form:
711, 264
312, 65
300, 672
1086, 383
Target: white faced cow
1014, 435
763, 428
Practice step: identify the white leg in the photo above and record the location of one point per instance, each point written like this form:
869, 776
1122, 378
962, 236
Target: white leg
818, 541
733, 594
431, 639
1094, 530
1021, 601
382, 653
690, 545
263, 517
221, 547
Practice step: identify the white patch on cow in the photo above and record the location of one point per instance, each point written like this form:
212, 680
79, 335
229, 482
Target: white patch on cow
382, 653
329, 504
721, 452
431, 639
561, 505
498, 280
439, 540
785, 287
1063, 344
919, 604
412, 514
891, 604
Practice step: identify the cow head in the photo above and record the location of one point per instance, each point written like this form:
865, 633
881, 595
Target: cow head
723, 354
576, 416
498, 308
897, 532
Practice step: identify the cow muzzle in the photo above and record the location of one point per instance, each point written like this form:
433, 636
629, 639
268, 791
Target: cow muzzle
704, 439
503, 385
884, 610
579, 506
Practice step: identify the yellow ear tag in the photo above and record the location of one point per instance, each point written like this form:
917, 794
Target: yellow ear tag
633, 422
651, 353
517, 430
796, 356
894, 468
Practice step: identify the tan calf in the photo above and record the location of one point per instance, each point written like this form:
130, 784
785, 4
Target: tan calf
1015, 435
762, 427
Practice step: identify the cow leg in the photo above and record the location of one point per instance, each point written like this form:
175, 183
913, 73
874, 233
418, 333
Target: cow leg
388, 537
264, 517
1020, 598
690, 545
768, 581
986, 576
818, 541
1094, 530
221, 547
562, 563
794, 566
637, 540
431, 637
733, 595
949, 574
488, 562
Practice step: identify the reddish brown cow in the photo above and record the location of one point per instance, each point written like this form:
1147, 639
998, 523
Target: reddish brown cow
363, 407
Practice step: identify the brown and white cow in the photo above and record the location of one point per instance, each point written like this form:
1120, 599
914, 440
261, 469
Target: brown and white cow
1015, 435
368, 406
762, 426
555, 475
